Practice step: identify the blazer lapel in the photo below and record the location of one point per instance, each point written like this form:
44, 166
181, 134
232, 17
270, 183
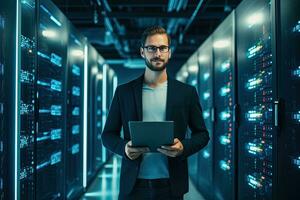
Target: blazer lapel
171, 95
137, 88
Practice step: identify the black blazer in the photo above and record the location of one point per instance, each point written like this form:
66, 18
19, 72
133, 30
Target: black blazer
183, 108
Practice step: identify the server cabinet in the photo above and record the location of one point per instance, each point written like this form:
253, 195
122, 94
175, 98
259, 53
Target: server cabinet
109, 96
255, 97
74, 138
288, 64
192, 79
98, 119
51, 96
3, 137
28, 99
224, 104
205, 159
8, 93
92, 74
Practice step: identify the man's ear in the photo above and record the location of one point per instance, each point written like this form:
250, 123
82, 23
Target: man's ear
142, 52
170, 53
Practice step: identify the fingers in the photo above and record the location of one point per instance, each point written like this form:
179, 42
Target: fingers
134, 156
167, 152
130, 148
134, 152
176, 140
138, 149
170, 148
173, 150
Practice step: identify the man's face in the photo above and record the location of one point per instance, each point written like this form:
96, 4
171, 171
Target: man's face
156, 60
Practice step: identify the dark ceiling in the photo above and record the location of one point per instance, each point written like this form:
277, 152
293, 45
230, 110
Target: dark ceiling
114, 27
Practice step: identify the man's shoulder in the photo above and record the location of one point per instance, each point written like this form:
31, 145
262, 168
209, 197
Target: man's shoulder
182, 86
128, 85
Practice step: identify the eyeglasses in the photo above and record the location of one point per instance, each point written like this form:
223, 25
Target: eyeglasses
153, 49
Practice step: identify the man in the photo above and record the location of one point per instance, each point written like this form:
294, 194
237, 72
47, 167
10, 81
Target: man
155, 96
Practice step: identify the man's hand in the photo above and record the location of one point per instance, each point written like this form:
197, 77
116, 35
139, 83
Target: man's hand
134, 152
175, 150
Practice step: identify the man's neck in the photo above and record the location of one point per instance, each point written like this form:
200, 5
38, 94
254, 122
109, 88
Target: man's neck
153, 78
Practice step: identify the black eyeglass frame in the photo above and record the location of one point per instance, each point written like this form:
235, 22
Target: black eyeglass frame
155, 48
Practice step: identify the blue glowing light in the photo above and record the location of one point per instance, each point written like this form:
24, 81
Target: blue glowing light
206, 95
58, 23
225, 166
206, 114
296, 72
296, 116
55, 158
26, 108
252, 51
30, 4
56, 110
26, 77
2, 22
296, 162
225, 140
75, 91
254, 148
56, 59
75, 111
224, 91
253, 115
225, 66
25, 172
42, 165
43, 55
25, 140
43, 83
253, 83
56, 134
255, 182
75, 129
76, 70
205, 154
56, 85
27, 43
296, 28
225, 115
206, 76
75, 149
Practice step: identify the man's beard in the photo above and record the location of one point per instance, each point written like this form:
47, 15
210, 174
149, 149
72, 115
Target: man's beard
154, 68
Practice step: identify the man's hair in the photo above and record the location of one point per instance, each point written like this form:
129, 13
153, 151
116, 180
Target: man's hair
153, 30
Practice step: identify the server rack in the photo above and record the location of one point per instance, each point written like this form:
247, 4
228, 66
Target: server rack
255, 97
206, 157
192, 78
6, 75
288, 63
3, 142
224, 104
110, 74
28, 74
74, 142
9, 62
98, 118
93, 69
51, 102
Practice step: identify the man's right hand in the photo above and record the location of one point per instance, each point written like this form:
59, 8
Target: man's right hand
134, 152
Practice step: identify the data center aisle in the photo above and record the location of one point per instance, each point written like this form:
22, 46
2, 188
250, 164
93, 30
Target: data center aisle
106, 185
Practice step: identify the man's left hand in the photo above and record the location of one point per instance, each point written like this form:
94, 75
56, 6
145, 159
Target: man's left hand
175, 150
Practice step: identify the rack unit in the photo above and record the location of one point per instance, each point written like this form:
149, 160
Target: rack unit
224, 105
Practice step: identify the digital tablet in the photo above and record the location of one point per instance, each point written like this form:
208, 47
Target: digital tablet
152, 134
